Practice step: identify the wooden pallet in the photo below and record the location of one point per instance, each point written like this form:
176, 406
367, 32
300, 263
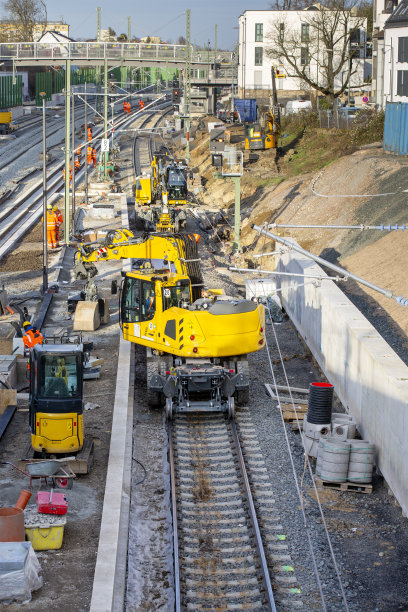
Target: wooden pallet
344, 486
81, 465
289, 414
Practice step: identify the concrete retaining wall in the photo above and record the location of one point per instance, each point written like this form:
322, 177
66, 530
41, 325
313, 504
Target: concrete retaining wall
369, 378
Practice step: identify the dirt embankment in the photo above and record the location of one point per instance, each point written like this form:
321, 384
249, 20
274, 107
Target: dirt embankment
378, 256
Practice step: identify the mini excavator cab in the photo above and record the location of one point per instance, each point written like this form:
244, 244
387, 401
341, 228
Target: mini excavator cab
56, 402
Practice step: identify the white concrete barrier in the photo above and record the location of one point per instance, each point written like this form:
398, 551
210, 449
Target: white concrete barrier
369, 378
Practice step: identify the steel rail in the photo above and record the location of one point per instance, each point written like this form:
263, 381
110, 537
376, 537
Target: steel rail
254, 520
174, 518
14, 234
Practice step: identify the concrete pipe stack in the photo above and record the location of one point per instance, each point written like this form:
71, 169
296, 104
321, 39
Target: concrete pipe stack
317, 422
360, 469
343, 426
333, 459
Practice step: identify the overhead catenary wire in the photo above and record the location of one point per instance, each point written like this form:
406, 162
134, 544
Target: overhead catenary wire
352, 195
361, 227
403, 301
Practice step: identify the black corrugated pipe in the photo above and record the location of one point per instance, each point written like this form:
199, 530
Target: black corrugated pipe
320, 403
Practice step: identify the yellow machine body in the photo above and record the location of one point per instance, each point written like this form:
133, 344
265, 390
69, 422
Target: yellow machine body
143, 190
222, 329
58, 433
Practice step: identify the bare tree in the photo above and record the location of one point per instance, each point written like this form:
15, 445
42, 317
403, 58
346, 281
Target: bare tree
25, 15
288, 5
320, 52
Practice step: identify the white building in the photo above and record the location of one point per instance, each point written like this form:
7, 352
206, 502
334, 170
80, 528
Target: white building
254, 70
391, 56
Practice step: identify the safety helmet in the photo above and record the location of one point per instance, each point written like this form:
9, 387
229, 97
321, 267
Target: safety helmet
49, 207
26, 324
55, 207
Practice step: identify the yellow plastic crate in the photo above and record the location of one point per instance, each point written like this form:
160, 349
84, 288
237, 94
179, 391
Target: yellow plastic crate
45, 538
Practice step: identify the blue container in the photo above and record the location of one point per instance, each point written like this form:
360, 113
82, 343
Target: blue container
246, 108
396, 128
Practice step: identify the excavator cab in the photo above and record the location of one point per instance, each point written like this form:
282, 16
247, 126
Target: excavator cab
176, 182
56, 398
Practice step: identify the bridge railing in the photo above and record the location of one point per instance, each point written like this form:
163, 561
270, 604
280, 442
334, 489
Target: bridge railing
99, 50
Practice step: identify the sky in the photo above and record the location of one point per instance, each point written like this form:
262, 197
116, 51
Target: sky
163, 18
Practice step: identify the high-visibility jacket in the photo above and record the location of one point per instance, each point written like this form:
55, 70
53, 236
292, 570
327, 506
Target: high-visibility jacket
32, 337
141, 104
77, 164
78, 152
58, 217
93, 155
89, 154
51, 220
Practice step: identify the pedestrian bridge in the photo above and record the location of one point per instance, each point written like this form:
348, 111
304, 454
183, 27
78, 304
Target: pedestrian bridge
95, 53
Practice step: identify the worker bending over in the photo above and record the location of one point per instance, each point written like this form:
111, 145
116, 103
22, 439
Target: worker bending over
31, 336
58, 222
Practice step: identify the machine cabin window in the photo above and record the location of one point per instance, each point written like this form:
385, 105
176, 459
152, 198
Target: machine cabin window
130, 303
148, 300
58, 376
176, 296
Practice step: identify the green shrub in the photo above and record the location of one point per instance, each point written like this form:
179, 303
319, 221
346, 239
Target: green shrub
368, 126
300, 121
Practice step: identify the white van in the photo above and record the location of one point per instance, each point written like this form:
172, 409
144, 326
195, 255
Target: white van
294, 106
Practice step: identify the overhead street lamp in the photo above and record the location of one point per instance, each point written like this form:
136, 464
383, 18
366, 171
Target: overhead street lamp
44, 156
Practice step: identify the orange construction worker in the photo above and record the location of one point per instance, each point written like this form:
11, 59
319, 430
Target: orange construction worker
31, 336
77, 164
52, 228
70, 174
124, 106
78, 153
58, 222
93, 157
89, 133
127, 107
89, 155
141, 104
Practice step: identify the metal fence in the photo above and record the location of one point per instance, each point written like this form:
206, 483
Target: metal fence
11, 94
341, 118
396, 128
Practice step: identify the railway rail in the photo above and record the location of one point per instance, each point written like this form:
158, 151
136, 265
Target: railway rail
20, 215
226, 533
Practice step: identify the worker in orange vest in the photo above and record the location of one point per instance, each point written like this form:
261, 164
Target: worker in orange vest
31, 336
70, 174
58, 222
124, 106
89, 155
93, 157
128, 107
89, 133
77, 164
52, 228
141, 104
78, 153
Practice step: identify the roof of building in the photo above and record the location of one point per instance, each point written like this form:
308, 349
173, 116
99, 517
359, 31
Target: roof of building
399, 17
55, 36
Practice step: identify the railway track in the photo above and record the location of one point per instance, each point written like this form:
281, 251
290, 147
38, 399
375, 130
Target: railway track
229, 550
21, 214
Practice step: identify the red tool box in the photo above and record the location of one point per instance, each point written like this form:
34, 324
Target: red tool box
49, 502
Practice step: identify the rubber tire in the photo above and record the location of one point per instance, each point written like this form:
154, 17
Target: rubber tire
153, 397
242, 397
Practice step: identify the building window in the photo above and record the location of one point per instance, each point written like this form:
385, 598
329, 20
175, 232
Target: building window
258, 56
402, 83
389, 6
259, 32
304, 57
281, 31
403, 49
304, 35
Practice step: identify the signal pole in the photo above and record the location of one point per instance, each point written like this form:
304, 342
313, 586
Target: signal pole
67, 148
187, 84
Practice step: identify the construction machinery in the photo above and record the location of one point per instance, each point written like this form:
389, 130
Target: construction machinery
197, 343
6, 126
161, 195
56, 398
264, 134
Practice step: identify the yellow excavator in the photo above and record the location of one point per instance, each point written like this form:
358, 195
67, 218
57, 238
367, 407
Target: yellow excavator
264, 134
161, 195
197, 341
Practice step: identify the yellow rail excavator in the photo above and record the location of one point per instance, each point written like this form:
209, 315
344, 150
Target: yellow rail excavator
264, 134
197, 341
161, 195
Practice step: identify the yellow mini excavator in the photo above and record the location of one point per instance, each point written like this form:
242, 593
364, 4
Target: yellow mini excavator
161, 195
197, 342
264, 134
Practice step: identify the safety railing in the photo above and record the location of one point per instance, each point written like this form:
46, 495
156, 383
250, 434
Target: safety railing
102, 50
